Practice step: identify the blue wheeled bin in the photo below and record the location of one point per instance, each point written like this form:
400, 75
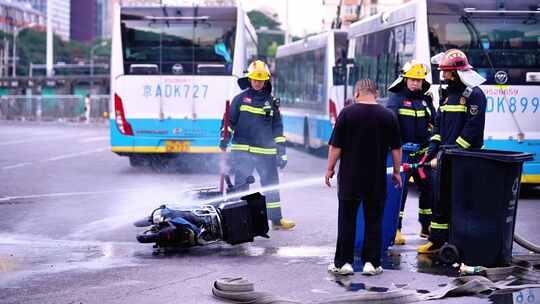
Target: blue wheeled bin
482, 187
392, 206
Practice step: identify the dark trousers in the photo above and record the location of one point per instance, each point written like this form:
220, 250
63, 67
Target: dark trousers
243, 165
441, 203
371, 251
425, 201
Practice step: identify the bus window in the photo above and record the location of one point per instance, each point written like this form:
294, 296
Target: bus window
179, 41
491, 42
301, 80
380, 55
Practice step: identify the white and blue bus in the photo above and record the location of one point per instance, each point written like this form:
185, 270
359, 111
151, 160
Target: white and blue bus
172, 71
502, 42
310, 98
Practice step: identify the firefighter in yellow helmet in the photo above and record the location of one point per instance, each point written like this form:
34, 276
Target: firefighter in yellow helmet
257, 137
412, 103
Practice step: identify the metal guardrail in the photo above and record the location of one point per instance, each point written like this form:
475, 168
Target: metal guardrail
54, 108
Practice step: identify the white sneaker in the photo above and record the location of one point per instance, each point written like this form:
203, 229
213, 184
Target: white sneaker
370, 270
346, 269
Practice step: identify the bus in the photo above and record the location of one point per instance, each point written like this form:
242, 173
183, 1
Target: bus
501, 40
172, 71
310, 92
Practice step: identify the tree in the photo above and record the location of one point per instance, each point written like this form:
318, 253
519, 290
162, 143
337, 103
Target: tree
267, 41
259, 19
31, 46
272, 49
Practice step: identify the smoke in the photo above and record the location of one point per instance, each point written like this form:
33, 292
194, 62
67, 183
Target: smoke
134, 206
291, 185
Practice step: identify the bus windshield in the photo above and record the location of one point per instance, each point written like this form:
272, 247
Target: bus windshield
178, 41
510, 42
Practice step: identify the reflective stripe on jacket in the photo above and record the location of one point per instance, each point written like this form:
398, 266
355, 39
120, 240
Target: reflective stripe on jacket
461, 120
415, 116
256, 123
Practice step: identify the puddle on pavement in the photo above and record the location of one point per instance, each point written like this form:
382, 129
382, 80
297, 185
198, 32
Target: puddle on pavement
406, 261
22, 256
351, 286
222, 249
413, 262
525, 296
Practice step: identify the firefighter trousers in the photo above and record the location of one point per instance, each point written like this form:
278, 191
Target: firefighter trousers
441, 203
245, 163
425, 201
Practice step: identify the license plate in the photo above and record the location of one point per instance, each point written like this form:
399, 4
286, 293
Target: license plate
177, 146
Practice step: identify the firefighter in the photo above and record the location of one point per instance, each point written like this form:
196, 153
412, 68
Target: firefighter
411, 101
257, 137
459, 122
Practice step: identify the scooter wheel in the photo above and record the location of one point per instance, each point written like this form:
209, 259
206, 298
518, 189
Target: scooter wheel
147, 237
449, 254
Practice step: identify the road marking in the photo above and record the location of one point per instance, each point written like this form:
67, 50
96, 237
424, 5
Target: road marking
29, 141
63, 194
66, 156
92, 139
41, 133
16, 166
60, 157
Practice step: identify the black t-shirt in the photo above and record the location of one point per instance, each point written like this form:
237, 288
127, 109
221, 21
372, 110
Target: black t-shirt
365, 133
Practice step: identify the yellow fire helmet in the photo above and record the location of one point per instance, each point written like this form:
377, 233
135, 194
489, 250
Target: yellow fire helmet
415, 69
258, 70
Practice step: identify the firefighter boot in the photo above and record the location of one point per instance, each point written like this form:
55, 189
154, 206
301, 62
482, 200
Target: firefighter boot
283, 224
429, 247
399, 240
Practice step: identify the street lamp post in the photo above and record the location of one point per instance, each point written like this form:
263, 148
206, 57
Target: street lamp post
15, 33
92, 50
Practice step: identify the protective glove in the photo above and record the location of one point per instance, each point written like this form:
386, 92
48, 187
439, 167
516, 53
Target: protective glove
432, 150
282, 161
276, 101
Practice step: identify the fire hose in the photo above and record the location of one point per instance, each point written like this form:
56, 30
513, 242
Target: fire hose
526, 244
241, 290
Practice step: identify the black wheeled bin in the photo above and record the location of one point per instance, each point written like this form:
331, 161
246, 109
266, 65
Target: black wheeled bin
482, 187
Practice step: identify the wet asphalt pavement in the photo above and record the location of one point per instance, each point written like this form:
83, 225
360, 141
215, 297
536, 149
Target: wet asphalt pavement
67, 205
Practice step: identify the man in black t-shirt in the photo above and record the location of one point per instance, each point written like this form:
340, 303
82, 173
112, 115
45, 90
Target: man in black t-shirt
363, 135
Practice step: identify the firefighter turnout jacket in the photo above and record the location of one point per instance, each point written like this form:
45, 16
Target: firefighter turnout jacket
461, 117
255, 124
415, 114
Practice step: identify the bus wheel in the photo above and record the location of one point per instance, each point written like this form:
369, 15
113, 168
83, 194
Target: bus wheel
136, 161
159, 163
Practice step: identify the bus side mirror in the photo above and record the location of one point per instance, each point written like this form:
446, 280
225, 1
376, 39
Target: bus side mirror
338, 75
353, 75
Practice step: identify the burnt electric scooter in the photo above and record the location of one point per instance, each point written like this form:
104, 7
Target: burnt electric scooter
234, 221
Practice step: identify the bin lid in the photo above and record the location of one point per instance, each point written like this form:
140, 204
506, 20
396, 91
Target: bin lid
498, 155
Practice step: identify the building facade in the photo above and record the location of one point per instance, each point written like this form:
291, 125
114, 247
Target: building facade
103, 16
15, 16
61, 16
354, 10
84, 20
